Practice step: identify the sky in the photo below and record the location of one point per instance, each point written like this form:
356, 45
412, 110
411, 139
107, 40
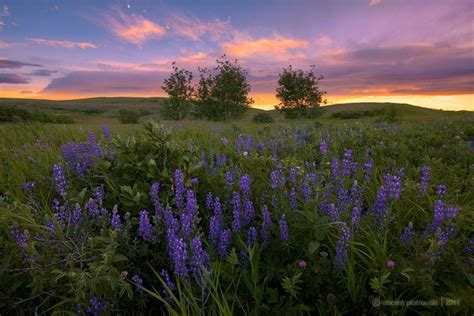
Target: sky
409, 51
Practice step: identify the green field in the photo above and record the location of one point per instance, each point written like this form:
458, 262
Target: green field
333, 216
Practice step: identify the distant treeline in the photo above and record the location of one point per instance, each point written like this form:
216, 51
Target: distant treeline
389, 113
15, 114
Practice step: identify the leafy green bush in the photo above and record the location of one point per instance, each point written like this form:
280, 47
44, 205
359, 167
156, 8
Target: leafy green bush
128, 117
15, 114
262, 118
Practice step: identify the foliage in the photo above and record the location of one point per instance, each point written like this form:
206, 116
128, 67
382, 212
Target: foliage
222, 94
128, 116
298, 91
180, 92
16, 114
262, 118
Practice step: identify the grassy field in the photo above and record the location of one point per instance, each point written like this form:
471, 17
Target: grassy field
324, 216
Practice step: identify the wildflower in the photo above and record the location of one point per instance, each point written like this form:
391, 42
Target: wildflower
106, 132
407, 237
169, 283
179, 188
99, 194
393, 186
293, 200
368, 169
21, 238
225, 141
154, 190
115, 220
292, 176
93, 208
451, 211
266, 222
245, 184
229, 179
96, 307
302, 264
335, 167
323, 148
251, 236
224, 243
425, 178
199, 257
380, 204
346, 163
29, 186
145, 230
76, 215
188, 216
277, 179
283, 229
441, 190
78, 157
391, 264
179, 255
355, 218
60, 180
342, 246
438, 214
138, 283
236, 221
249, 212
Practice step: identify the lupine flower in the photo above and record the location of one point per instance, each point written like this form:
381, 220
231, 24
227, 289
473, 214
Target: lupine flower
154, 190
323, 148
441, 190
368, 169
380, 204
407, 237
245, 184
106, 132
188, 216
469, 249
292, 176
179, 188
99, 194
170, 221
115, 220
302, 264
215, 228
199, 257
145, 230
236, 221
29, 186
96, 307
283, 229
277, 179
221, 160
225, 140
20, 237
391, 264
78, 157
229, 179
266, 222
224, 243
93, 208
249, 212
438, 214
179, 255
331, 210
346, 163
355, 218
425, 179
293, 199
60, 180
335, 167
306, 191
251, 236
451, 211
342, 246
169, 283
94, 147
138, 283
76, 215
393, 186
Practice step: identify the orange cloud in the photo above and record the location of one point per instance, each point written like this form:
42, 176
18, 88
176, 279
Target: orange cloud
194, 28
63, 44
135, 29
275, 45
5, 45
373, 2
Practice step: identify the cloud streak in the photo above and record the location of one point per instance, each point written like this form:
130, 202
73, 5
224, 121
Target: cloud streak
244, 47
195, 29
134, 29
13, 79
13, 64
61, 44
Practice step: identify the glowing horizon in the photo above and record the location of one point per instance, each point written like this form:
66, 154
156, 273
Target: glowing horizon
368, 51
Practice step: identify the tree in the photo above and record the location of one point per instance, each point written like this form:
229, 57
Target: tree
180, 92
223, 95
298, 92
128, 117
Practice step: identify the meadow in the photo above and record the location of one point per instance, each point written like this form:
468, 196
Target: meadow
364, 215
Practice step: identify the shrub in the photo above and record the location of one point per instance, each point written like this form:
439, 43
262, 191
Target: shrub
15, 114
128, 117
262, 118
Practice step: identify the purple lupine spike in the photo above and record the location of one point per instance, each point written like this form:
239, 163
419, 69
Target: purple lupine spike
332, 212
29, 186
342, 246
154, 190
355, 218
145, 229
306, 191
188, 217
215, 228
249, 212
169, 283
99, 194
393, 185
346, 163
237, 220
380, 205
245, 184
92, 208
60, 180
407, 237
224, 243
179, 188
229, 179
266, 223
106, 132
293, 200
21, 237
217, 206
209, 201
251, 236
179, 255
76, 215
199, 258
368, 169
438, 214
93, 146
323, 148
425, 179
335, 167
284, 236
170, 221
441, 190
451, 211
138, 283
96, 307
115, 220
292, 176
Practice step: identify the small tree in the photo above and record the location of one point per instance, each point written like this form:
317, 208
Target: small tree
298, 92
128, 117
180, 91
224, 95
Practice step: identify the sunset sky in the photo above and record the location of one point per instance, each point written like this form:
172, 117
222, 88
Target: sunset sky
418, 52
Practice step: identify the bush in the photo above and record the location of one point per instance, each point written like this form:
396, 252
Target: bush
14, 114
262, 118
128, 117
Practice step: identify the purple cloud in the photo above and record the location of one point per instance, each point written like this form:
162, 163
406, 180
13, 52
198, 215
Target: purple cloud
12, 64
13, 79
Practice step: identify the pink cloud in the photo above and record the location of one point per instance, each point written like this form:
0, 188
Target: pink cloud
195, 28
63, 44
243, 47
373, 2
2, 24
5, 10
5, 45
135, 29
